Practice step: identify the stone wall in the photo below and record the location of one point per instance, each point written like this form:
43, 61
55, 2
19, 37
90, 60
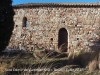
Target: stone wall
82, 25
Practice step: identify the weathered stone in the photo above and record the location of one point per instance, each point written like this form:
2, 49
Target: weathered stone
44, 23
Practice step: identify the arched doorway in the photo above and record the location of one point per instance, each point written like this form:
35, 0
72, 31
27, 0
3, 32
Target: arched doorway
63, 39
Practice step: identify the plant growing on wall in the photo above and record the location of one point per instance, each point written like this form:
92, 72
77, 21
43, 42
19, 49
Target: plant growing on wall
6, 22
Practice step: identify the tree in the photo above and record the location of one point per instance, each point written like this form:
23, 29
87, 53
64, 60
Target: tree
6, 22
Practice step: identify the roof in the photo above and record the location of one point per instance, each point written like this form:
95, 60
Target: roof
57, 5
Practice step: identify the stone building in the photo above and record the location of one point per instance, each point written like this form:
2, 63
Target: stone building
49, 25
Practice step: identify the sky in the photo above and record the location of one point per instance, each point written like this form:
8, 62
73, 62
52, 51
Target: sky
49, 1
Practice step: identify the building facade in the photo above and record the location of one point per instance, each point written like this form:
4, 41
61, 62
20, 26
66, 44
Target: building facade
49, 25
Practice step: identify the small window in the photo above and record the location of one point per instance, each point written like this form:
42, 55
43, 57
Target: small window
25, 22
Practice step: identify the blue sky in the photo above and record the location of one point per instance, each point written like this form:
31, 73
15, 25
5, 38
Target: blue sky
39, 1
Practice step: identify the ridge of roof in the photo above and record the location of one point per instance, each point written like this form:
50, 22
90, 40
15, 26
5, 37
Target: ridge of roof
56, 4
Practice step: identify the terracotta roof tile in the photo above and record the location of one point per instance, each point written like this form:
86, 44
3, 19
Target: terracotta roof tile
54, 4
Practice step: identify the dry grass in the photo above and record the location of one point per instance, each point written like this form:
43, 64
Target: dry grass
3, 66
93, 65
63, 48
41, 66
88, 60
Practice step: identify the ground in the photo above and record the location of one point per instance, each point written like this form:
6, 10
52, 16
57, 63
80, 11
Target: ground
43, 64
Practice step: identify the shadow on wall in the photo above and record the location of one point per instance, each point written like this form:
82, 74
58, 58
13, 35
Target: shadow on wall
88, 59
96, 46
6, 22
92, 59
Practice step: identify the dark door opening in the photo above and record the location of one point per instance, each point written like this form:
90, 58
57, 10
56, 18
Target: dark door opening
63, 39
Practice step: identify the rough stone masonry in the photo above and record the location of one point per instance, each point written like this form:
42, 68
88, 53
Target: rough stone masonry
49, 25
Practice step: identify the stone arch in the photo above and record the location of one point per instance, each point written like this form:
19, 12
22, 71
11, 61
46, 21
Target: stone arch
63, 38
25, 22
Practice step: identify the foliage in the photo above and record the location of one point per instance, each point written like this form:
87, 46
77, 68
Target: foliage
6, 22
